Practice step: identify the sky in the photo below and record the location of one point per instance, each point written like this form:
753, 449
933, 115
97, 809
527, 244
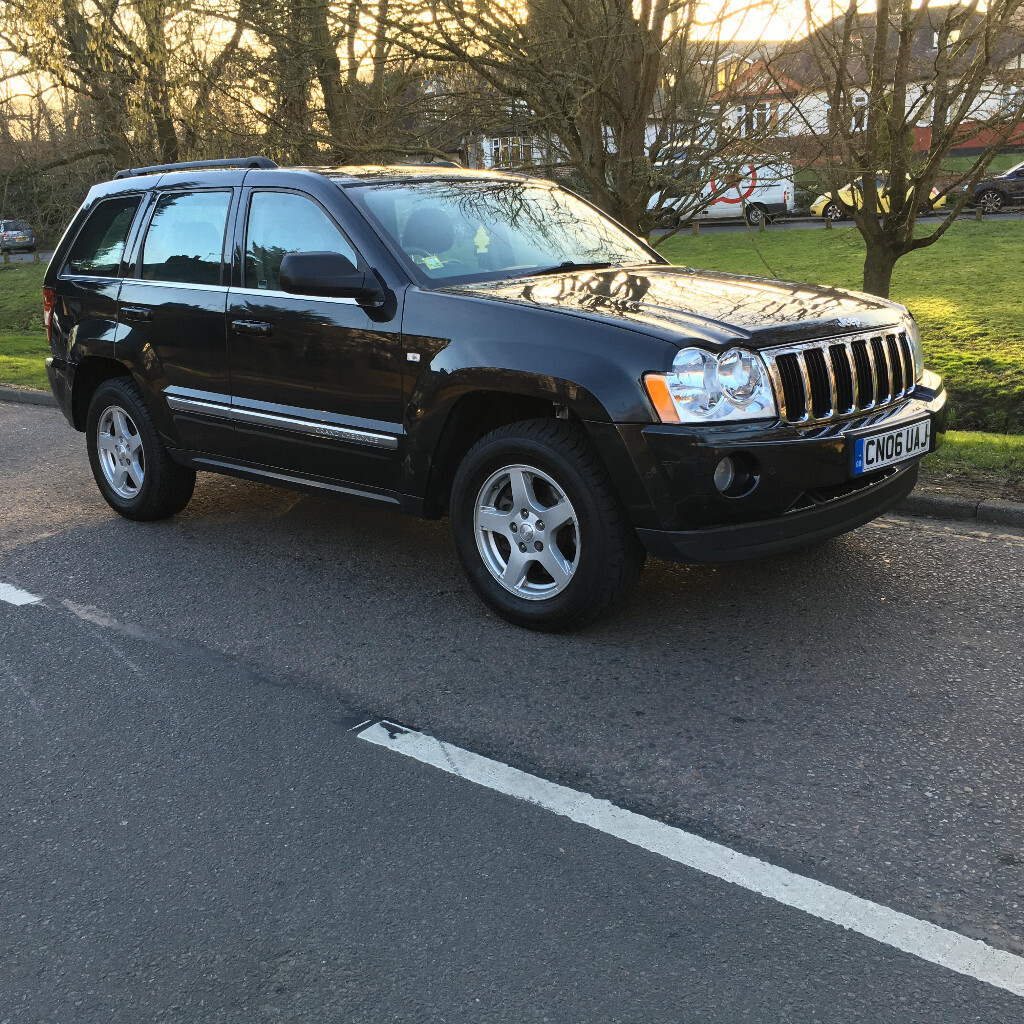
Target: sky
771, 20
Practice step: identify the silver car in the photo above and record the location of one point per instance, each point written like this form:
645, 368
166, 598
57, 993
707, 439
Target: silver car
17, 235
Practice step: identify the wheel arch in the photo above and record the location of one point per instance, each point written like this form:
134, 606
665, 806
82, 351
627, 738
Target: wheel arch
90, 373
441, 439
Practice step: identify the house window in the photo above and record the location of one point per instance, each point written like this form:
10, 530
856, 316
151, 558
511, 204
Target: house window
754, 119
859, 120
511, 151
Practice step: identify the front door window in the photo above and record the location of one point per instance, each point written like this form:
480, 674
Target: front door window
283, 222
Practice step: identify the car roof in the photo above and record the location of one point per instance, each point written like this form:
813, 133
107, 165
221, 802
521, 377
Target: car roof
344, 176
354, 175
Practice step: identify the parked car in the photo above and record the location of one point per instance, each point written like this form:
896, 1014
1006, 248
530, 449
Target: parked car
17, 235
827, 207
999, 191
484, 346
760, 191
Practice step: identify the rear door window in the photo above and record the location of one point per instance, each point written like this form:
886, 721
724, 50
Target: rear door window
100, 244
284, 222
185, 239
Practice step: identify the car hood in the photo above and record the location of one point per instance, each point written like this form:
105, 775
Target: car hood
682, 305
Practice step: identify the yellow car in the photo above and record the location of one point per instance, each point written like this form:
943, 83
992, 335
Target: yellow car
825, 206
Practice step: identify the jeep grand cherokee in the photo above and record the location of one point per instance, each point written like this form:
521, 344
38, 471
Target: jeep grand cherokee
484, 346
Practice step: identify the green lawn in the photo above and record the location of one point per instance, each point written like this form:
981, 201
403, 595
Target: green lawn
965, 291
22, 335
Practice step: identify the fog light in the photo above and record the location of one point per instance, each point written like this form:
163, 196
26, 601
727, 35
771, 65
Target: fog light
725, 474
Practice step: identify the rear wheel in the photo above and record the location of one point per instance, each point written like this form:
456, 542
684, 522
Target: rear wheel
131, 465
539, 529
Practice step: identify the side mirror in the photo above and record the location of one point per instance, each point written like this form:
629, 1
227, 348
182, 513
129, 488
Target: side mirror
329, 274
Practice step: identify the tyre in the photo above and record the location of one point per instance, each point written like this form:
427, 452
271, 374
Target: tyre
755, 214
991, 201
833, 212
539, 529
131, 465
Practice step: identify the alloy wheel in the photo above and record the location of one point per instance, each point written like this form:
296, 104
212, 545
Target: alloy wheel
527, 532
122, 457
991, 202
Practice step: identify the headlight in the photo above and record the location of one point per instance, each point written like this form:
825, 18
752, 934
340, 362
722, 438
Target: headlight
914, 337
705, 388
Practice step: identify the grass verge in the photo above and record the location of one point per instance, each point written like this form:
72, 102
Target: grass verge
978, 464
23, 347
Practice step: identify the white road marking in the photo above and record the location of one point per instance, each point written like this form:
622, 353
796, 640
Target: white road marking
12, 595
920, 938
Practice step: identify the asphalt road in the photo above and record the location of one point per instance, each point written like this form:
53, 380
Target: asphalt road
28, 257
190, 833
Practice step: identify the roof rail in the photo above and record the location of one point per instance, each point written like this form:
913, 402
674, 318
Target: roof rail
196, 165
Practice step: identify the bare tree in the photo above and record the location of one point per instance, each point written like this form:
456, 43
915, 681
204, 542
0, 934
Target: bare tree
622, 92
866, 85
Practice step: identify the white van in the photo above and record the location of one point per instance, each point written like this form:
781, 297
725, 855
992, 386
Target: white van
758, 191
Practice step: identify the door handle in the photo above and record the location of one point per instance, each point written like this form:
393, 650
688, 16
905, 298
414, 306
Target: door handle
136, 313
252, 327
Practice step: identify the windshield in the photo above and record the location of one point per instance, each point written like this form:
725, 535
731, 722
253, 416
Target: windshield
456, 231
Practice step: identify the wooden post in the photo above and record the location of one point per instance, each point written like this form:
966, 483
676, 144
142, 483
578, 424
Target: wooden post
694, 227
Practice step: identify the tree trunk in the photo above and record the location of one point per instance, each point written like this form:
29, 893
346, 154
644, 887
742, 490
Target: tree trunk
878, 266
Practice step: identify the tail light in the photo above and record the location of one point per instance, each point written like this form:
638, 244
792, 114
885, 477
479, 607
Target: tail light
49, 297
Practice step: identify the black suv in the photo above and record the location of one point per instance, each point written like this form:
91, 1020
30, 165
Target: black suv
486, 346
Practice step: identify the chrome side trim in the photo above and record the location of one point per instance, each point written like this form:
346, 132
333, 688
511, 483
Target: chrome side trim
237, 414
303, 426
212, 409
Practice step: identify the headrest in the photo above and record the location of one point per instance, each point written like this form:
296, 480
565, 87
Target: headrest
430, 229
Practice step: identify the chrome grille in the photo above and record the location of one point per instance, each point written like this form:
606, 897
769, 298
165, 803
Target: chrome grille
821, 380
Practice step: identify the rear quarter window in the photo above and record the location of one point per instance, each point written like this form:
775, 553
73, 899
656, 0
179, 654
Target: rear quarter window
98, 249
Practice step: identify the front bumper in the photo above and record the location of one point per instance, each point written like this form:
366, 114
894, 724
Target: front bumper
801, 487
783, 533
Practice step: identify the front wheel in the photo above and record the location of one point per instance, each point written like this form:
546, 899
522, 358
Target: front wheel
755, 214
131, 465
539, 529
833, 212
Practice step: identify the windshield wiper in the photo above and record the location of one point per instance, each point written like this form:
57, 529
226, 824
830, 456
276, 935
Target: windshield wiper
558, 268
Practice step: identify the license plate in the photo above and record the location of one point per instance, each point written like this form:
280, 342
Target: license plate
22, 238
891, 446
